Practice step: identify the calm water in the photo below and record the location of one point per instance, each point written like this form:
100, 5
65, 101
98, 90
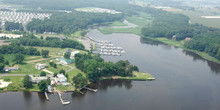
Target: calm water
184, 81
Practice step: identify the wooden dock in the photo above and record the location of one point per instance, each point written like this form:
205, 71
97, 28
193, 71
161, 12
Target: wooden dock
94, 90
46, 95
64, 102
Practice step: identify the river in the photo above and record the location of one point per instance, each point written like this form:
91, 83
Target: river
184, 81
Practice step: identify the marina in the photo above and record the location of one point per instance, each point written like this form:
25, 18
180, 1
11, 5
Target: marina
107, 48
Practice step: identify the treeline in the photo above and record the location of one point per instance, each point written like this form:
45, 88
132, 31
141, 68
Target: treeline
16, 48
31, 40
11, 26
68, 23
176, 26
166, 24
95, 67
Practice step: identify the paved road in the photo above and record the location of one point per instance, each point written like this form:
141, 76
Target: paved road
12, 74
71, 68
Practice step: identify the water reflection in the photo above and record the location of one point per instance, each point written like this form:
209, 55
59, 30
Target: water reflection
105, 84
27, 96
144, 40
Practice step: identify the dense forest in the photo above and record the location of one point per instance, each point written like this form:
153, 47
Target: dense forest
176, 26
31, 40
95, 67
16, 48
11, 26
68, 23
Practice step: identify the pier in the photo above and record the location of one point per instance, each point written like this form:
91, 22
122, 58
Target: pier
46, 95
64, 102
94, 90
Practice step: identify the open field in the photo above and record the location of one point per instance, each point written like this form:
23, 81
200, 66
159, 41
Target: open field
196, 17
141, 20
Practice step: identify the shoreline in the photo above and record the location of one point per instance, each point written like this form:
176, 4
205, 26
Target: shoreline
136, 76
178, 44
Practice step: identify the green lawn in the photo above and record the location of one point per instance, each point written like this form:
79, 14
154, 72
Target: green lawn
16, 82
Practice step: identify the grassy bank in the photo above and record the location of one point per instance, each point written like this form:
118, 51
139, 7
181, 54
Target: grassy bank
180, 44
136, 76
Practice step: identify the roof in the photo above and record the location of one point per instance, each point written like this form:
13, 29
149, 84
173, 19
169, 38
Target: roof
68, 50
66, 60
15, 66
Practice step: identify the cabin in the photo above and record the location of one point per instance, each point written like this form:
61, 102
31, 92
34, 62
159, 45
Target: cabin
37, 79
15, 67
65, 61
40, 66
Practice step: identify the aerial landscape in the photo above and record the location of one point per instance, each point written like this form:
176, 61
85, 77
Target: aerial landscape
109, 54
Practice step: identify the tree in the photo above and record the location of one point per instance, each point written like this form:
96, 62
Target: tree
43, 73
2, 59
2, 66
48, 81
42, 37
62, 72
55, 74
6, 62
44, 53
79, 81
43, 85
55, 65
67, 55
18, 58
51, 63
27, 82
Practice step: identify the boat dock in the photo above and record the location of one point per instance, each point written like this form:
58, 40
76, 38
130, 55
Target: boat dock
94, 90
46, 95
64, 102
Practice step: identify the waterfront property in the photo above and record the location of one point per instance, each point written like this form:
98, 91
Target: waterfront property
15, 67
65, 61
37, 79
40, 66
61, 79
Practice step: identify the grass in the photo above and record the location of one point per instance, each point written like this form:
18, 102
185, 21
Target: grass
66, 88
16, 84
195, 17
141, 20
136, 76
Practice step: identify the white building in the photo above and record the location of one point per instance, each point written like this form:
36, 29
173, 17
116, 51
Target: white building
60, 79
73, 54
37, 79
41, 66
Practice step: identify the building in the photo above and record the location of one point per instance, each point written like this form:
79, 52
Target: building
37, 79
72, 56
60, 79
40, 66
187, 39
65, 61
15, 67
67, 50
